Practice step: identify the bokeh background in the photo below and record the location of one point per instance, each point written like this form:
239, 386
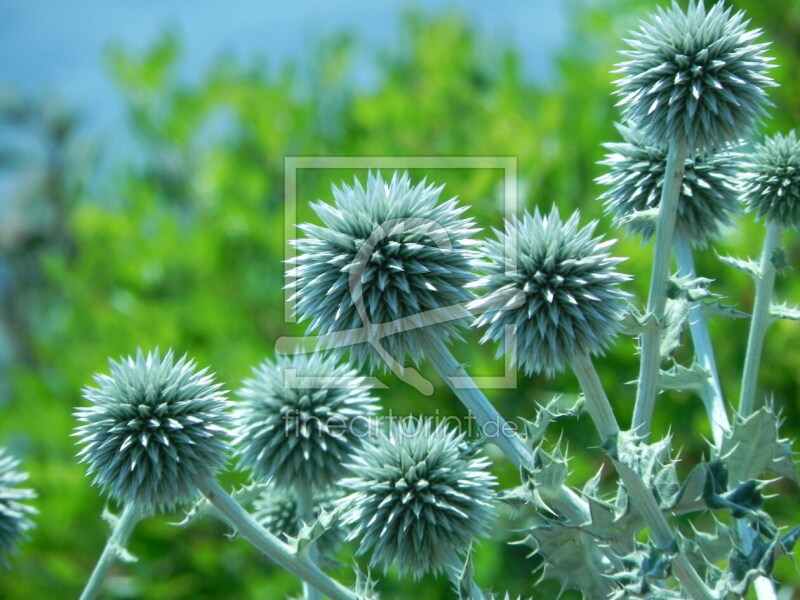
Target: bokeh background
142, 191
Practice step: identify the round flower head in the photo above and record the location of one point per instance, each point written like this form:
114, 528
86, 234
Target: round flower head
708, 190
14, 514
277, 512
155, 425
389, 262
556, 286
419, 498
772, 180
695, 75
300, 418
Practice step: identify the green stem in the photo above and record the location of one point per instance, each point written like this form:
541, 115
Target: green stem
641, 496
305, 510
703, 349
282, 554
116, 542
657, 297
496, 429
760, 320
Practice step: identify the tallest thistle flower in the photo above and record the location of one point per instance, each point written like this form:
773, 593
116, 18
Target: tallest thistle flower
695, 75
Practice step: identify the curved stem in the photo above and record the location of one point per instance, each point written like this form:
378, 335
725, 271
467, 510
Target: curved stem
657, 298
131, 515
597, 404
305, 510
760, 320
299, 565
703, 349
495, 428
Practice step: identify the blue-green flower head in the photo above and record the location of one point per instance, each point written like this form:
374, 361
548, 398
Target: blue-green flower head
277, 511
709, 194
418, 497
15, 513
152, 428
300, 418
771, 186
388, 266
551, 292
694, 75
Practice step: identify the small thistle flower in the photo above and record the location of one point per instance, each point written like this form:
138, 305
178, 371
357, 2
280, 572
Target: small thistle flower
153, 428
300, 418
558, 288
278, 512
771, 185
708, 190
419, 497
386, 256
14, 514
695, 75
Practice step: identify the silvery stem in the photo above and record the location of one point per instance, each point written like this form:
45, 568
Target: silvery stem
641, 496
657, 297
494, 427
305, 510
760, 320
703, 349
130, 516
269, 545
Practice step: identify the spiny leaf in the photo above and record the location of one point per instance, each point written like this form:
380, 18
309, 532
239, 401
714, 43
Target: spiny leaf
716, 308
750, 267
689, 288
560, 406
785, 311
751, 446
676, 316
678, 377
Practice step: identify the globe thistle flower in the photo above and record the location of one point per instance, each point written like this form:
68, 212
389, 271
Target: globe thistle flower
708, 194
277, 510
557, 287
155, 425
771, 185
300, 418
389, 262
694, 75
418, 498
14, 514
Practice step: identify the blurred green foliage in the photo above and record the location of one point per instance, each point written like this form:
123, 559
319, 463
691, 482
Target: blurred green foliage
182, 246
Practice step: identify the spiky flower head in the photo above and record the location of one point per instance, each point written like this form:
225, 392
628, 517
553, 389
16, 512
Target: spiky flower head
154, 426
771, 185
708, 196
278, 512
300, 418
695, 75
14, 512
389, 262
556, 286
419, 497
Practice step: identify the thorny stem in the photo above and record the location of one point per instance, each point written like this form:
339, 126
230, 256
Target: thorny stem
703, 349
657, 297
760, 320
494, 427
130, 516
641, 496
299, 565
305, 510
